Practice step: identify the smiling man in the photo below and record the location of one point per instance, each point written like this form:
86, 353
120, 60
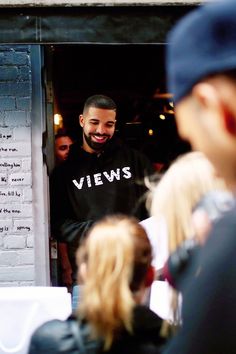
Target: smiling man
100, 177
98, 124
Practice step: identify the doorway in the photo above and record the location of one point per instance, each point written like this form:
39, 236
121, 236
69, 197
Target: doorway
134, 76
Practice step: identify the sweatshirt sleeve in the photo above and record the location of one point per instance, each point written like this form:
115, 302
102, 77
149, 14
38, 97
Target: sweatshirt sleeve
147, 167
64, 225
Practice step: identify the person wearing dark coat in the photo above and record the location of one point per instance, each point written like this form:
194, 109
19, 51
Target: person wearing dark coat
115, 266
201, 71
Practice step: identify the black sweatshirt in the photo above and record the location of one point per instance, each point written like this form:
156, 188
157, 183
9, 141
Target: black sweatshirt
89, 186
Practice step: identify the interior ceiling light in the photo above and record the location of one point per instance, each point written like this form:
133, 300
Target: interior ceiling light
57, 119
150, 132
162, 116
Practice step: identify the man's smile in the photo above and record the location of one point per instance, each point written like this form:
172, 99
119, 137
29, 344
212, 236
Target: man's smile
99, 138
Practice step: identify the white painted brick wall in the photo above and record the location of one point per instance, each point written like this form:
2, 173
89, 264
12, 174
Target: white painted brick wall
11, 194
23, 226
30, 242
14, 242
20, 179
3, 179
26, 164
17, 273
16, 212
10, 164
5, 226
19, 283
18, 118
22, 134
27, 195
15, 149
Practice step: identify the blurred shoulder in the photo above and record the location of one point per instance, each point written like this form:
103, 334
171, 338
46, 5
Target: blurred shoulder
52, 337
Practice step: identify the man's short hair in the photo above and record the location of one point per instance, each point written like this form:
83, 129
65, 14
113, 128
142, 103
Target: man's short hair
61, 134
99, 101
202, 44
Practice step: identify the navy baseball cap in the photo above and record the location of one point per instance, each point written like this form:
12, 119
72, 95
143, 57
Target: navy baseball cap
201, 44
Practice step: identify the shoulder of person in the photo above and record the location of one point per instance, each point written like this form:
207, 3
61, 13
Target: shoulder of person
220, 245
143, 161
58, 175
56, 335
50, 327
138, 155
145, 337
76, 153
145, 320
49, 337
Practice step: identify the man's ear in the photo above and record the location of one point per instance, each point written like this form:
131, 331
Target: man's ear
229, 121
209, 98
206, 95
81, 120
149, 277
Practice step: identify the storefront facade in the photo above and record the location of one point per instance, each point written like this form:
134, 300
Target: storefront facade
27, 31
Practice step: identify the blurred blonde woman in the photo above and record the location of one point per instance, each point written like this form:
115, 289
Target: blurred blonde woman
171, 203
115, 267
188, 179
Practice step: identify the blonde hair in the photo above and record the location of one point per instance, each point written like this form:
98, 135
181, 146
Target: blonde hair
187, 180
117, 253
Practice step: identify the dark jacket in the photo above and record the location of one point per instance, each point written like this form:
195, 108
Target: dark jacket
87, 187
57, 337
209, 296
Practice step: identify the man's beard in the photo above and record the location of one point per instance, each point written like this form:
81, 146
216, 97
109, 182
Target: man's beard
95, 145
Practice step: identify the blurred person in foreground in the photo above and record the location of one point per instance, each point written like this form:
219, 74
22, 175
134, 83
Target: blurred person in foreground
172, 200
201, 70
110, 316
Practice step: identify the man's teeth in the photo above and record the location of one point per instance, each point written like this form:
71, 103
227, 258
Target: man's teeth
99, 137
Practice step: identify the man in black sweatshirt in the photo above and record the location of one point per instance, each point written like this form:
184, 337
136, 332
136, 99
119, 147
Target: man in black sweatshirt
101, 177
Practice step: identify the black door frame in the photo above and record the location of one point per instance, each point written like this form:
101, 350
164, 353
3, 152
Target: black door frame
89, 24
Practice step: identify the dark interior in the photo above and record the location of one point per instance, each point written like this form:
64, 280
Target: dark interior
134, 76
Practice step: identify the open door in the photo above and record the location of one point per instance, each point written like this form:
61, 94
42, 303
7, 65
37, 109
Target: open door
134, 76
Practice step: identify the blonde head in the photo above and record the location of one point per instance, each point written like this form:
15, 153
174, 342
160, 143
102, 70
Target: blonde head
189, 178
117, 254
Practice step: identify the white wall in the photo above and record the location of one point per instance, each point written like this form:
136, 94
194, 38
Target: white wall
16, 212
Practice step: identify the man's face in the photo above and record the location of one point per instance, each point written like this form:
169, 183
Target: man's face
62, 147
203, 127
98, 128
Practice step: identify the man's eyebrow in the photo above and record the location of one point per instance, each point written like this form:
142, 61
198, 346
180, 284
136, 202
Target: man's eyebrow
98, 120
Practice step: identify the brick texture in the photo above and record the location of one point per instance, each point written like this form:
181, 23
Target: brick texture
16, 216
